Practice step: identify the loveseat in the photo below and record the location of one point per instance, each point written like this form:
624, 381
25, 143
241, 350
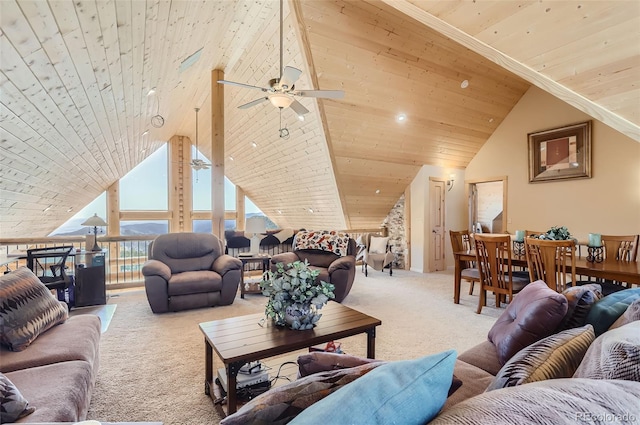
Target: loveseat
550, 358
48, 361
189, 270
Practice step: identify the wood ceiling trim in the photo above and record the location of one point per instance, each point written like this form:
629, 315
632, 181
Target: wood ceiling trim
585, 105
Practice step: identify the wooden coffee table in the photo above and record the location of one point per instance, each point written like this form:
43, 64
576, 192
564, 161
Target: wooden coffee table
244, 339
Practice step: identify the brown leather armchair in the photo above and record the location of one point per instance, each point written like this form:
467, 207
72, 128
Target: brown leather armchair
189, 270
334, 269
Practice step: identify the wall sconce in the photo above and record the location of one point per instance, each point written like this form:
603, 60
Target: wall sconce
452, 179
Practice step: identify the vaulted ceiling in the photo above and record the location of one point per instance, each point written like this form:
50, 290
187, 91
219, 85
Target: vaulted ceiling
75, 76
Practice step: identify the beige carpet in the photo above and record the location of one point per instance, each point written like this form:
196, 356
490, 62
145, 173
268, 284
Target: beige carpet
152, 366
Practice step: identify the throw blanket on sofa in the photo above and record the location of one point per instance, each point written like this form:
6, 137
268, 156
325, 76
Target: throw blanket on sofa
324, 240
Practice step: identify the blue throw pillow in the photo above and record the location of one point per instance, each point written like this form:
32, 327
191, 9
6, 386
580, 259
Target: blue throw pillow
606, 311
403, 392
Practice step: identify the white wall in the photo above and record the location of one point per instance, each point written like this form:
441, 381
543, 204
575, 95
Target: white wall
607, 203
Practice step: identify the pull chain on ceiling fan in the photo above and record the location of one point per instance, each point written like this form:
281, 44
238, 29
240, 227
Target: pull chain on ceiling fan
197, 163
281, 91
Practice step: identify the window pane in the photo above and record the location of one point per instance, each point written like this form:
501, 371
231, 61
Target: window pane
145, 188
202, 226
73, 226
144, 227
202, 188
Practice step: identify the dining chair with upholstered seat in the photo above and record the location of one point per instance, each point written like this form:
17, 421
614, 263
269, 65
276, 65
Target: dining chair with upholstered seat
461, 241
493, 256
551, 261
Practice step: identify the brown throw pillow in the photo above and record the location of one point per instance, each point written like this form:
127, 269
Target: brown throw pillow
27, 308
311, 363
532, 315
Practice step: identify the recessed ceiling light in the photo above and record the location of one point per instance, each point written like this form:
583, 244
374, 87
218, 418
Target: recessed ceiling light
143, 151
254, 145
490, 119
279, 211
311, 210
301, 117
377, 191
69, 209
47, 209
151, 92
230, 158
464, 84
401, 117
145, 133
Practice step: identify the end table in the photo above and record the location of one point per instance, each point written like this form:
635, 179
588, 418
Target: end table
265, 259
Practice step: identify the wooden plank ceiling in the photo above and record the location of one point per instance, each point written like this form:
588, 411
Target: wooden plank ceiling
75, 76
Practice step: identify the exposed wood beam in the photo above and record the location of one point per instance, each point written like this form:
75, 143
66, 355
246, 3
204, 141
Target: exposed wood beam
217, 153
545, 83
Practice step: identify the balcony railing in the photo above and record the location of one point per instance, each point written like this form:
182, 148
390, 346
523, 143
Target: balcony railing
124, 255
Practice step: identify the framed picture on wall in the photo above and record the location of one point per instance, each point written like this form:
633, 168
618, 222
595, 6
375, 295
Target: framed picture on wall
560, 153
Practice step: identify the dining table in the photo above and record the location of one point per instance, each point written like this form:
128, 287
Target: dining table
620, 271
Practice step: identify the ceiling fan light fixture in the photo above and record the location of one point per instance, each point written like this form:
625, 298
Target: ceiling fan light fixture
280, 100
300, 117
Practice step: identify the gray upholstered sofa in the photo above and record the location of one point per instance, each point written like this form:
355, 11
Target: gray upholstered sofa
189, 270
56, 371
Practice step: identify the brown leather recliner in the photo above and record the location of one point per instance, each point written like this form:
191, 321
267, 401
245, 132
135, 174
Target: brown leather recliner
189, 270
339, 271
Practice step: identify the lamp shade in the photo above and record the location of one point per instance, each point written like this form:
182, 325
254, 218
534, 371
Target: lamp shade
94, 221
280, 100
256, 225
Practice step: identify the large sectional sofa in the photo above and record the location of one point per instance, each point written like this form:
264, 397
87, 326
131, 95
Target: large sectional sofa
48, 360
550, 358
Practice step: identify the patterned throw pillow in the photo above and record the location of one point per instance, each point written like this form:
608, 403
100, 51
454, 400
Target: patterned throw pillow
580, 299
324, 240
554, 401
605, 312
27, 308
12, 404
282, 404
631, 314
613, 355
556, 356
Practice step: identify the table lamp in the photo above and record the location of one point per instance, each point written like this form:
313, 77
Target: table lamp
255, 226
94, 221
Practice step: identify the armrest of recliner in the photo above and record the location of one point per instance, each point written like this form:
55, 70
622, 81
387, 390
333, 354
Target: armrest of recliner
285, 257
343, 263
225, 263
156, 268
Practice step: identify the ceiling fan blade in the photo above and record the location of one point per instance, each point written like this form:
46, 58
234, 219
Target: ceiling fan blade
298, 108
253, 103
326, 94
247, 86
289, 76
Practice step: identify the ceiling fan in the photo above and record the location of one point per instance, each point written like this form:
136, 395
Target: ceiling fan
281, 91
197, 163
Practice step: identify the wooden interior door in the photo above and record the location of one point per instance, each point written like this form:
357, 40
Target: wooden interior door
436, 223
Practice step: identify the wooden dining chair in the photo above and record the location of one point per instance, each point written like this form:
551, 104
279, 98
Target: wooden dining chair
620, 248
553, 262
461, 241
493, 255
